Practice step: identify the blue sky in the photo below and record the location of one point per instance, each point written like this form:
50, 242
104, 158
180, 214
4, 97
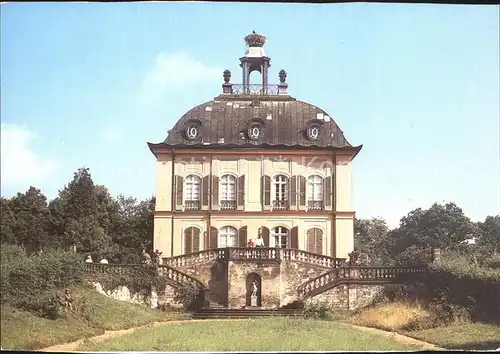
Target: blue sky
88, 84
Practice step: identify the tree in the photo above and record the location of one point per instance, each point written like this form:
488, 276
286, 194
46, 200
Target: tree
25, 220
84, 215
489, 237
371, 236
442, 226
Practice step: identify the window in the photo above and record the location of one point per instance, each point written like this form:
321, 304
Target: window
228, 192
228, 237
315, 193
280, 235
192, 192
280, 193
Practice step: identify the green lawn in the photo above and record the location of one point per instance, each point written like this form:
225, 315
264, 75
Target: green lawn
94, 313
470, 336
270, 334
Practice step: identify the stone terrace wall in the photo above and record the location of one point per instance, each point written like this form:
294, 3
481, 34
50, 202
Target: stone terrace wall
347, 296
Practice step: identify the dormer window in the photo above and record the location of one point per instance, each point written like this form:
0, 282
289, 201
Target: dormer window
313, 132
254, 131
192, 131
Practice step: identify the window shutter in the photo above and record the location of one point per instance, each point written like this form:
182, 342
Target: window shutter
311, 242
302, 192
265, 236
240, 191
319, 241
215, 192
188, 240
178, 192
196, 239
214, 235
242, 236
294, 237
293, 192
327, 194
205, 184
265, 186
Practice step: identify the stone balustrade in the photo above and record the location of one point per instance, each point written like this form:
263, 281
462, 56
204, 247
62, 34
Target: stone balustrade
246, 253
359, 274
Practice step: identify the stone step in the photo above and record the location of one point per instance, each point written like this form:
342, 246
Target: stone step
243, 313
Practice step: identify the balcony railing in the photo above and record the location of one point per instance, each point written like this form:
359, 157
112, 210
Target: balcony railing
315, 205
228, 205
281, 205
192, 205
238, 89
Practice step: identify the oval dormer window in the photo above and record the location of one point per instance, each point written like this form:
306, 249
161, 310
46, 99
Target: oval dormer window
254, 131
192, 131
313, 132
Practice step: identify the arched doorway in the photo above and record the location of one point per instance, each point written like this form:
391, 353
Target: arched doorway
251, 278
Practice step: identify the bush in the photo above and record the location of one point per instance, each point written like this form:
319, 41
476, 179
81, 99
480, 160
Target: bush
318, 310
190, 296
30, 282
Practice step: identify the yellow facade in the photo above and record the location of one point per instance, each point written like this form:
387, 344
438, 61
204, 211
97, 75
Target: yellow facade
337, 220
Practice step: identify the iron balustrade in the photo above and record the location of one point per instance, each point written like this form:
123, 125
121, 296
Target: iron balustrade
192, 205
228, 205
280, 205
315, 205
254, 89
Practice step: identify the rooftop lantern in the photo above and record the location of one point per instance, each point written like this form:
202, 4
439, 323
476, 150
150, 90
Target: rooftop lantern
255, 59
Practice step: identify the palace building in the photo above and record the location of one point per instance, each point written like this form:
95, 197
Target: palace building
254, 160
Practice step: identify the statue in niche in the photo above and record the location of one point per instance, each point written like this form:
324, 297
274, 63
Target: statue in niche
254, 289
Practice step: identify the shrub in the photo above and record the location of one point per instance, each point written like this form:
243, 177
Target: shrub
318, 310
190, 296
30, 282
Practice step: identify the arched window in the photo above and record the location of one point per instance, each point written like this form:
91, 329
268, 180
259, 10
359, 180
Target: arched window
228, 237
280, 236
315, 240
315, 193
192, 192
191, 240
228, 192
280, 192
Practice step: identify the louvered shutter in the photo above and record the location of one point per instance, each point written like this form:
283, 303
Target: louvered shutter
196, 239
302, 192
205, 186
179, 181
240, 190
327, 193
265, 236
242, 237
265, 185
214, 236
294, 238
188, 240
292, 188
215, 192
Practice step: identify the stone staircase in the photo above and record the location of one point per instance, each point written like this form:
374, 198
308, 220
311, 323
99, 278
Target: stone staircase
244, 313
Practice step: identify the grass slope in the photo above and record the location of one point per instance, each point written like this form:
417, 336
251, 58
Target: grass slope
93, 314
272, 334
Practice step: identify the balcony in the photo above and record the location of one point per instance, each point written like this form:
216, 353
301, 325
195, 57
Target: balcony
228, 205
192, 205
315, 205
281, 205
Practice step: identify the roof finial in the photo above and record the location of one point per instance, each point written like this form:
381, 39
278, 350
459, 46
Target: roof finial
255, 40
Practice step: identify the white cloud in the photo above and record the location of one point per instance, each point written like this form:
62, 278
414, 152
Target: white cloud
173, 72
20, 166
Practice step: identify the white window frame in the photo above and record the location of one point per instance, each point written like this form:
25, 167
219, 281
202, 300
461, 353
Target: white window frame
227, 234
227, 182
315, 188
283, 235
192, 188
280, 182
